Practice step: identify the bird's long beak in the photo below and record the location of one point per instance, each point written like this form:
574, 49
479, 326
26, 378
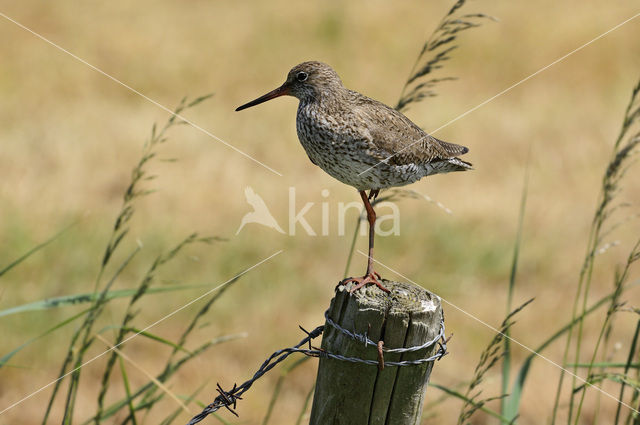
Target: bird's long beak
280, 91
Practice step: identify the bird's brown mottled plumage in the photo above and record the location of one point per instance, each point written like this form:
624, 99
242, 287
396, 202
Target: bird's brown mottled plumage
395, 134
358, 140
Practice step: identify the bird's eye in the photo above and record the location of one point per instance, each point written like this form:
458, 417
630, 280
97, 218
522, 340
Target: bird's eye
302, 76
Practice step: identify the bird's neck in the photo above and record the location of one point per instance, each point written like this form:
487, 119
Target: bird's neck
323, 97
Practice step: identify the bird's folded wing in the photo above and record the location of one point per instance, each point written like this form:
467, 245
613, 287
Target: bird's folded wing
397, 140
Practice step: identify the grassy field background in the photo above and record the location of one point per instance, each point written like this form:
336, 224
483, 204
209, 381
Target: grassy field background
69, 137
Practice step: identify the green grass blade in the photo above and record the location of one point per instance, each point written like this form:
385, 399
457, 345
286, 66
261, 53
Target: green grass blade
127, 390
613, 174
4, 359
272, 402
278, 387
199, 99
83, 337
506, 359
149, 335
613, 377
90, 297
619, 279
33, 250
462, 397
170, 369
352, 248
513, 402
627, 366
607, 365
169, 419
305, 405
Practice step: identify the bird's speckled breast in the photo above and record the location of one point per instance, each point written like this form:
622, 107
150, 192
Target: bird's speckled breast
345, 154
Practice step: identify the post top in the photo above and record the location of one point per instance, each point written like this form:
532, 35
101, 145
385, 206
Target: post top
404, 298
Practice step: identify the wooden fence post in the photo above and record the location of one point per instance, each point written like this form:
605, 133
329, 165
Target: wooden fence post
358, 394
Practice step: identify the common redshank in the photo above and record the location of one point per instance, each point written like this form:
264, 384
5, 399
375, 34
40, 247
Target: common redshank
360, 141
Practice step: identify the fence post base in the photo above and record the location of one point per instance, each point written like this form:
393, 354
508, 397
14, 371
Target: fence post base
357, 393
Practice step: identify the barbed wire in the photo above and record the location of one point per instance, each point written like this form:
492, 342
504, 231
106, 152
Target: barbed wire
228, 399
365, 339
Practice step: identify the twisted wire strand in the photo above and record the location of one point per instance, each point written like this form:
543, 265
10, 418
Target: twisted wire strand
228, 399
365, 339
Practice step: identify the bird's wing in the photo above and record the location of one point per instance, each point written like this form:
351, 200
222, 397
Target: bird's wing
397, 139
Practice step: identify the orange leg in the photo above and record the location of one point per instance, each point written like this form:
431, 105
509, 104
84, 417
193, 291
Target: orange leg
370, 276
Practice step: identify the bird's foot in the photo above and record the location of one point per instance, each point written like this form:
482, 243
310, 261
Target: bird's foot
371, 278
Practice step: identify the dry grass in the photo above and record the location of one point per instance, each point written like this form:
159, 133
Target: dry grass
70, 137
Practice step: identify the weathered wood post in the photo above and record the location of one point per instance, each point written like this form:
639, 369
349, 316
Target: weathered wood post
350, 393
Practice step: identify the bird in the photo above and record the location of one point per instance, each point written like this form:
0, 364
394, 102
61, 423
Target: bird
361, 142
260, 213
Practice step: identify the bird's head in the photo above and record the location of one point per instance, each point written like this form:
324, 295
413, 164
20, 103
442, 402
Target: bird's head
307, 81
